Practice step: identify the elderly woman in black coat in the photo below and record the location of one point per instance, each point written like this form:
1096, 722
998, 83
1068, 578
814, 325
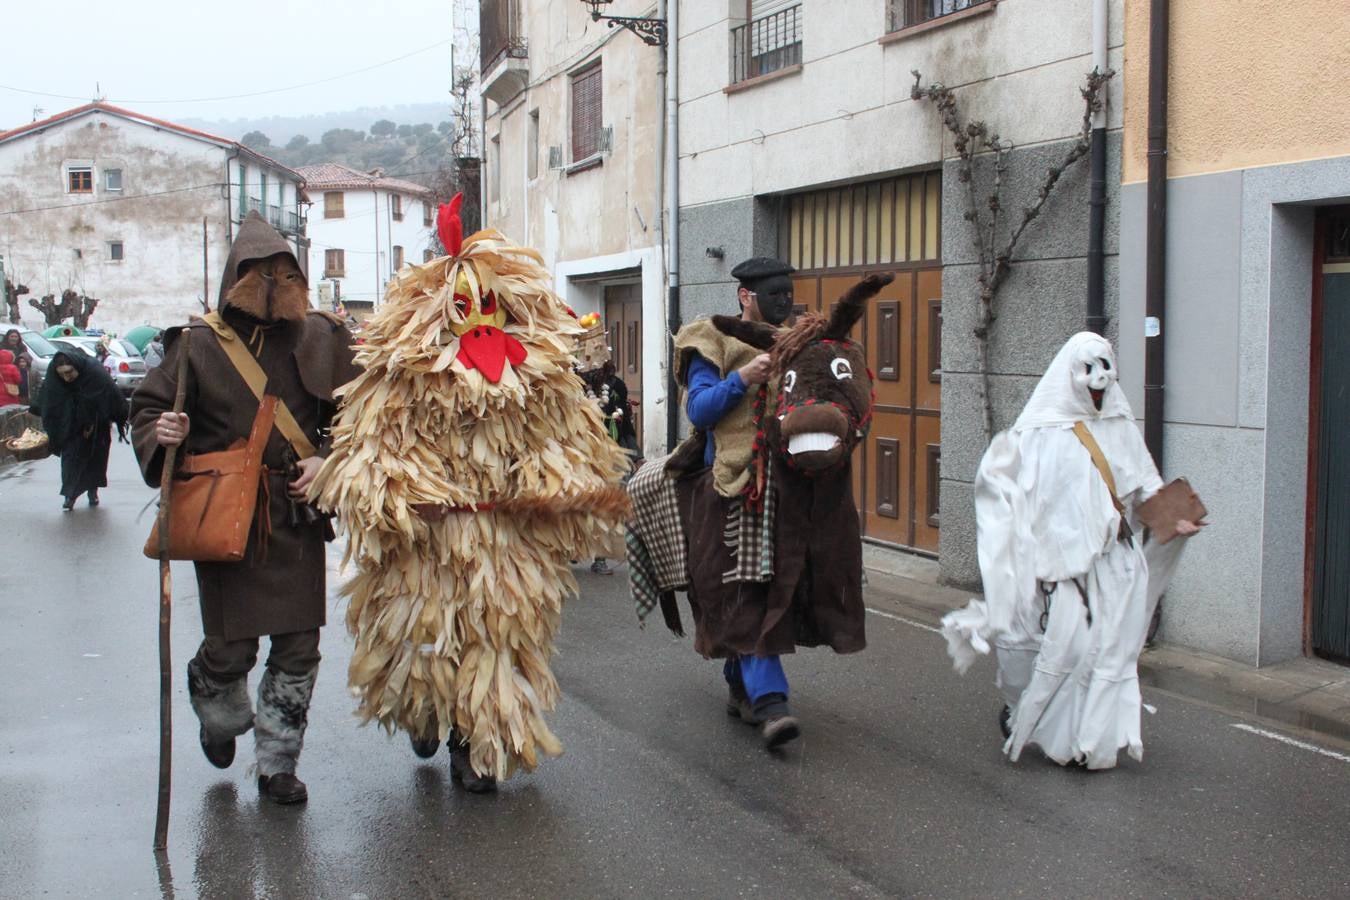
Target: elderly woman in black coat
79, 405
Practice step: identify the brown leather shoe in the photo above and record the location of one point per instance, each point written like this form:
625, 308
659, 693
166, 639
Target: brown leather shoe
219, 754
284, 788
779, 730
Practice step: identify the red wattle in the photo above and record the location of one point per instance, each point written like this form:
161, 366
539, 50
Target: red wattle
484, 349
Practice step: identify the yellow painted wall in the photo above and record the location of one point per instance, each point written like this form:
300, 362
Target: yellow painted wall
1252, 83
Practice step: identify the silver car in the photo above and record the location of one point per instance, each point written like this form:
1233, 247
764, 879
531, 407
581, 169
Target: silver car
124, 363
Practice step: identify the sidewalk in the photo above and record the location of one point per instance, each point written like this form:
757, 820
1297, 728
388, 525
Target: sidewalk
1306, 695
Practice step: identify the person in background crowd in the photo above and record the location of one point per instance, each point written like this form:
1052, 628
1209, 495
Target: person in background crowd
13, 342
609, 389
79, 407
154, 351
24, 364
12, 380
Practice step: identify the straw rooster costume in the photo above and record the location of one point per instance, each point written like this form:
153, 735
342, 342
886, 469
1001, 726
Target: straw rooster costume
468, 406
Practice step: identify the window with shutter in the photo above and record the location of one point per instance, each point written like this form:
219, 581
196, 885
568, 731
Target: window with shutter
396, 206
398, 257
334, 265
906, 13
586, 113
333, 202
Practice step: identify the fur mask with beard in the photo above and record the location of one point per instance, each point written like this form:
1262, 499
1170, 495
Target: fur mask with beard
271, 290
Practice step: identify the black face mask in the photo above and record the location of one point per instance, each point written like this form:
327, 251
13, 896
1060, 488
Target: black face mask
774, 296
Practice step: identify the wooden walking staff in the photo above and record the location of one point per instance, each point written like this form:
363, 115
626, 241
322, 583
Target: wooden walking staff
165, 610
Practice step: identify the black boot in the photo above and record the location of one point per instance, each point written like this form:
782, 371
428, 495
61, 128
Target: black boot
462, 771
1004, 722
283, 788
68, 505
425, 748
224, 710
93, 497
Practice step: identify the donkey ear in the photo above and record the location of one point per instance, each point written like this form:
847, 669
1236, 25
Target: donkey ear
853, 304
756, 334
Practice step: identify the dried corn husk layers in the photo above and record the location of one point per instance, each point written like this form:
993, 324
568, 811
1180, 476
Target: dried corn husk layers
454, 620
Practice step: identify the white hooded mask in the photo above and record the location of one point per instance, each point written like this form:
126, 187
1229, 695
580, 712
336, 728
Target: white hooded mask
1081, 384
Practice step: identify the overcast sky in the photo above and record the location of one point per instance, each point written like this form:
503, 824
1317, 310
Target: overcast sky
140, 51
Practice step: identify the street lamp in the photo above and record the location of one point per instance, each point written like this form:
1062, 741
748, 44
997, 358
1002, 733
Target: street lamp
652, 31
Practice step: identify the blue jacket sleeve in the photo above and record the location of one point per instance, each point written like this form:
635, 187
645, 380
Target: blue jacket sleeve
711, 397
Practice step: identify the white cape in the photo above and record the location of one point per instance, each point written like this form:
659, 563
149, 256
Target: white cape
1046, 522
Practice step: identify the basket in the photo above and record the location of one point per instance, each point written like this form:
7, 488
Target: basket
40, 450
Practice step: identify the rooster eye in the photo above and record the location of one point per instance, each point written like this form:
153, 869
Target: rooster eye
789, 381
489, 305
841, 368
462, 305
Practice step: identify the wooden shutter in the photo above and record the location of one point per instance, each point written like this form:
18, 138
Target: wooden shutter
586, 109
333, 203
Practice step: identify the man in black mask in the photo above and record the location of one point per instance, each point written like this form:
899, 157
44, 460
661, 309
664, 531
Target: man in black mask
721, 375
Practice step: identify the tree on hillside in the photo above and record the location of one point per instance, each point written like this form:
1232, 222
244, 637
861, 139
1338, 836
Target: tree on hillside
340, 140
405, 131
383, 128
297, 143
423, 129
257, 140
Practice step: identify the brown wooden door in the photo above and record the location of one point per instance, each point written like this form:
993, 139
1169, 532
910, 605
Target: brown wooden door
623, 324
896, 471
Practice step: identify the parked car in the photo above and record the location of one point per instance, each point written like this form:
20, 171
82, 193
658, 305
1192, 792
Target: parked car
125, 364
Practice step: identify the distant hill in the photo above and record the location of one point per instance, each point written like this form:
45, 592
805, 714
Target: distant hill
282, 128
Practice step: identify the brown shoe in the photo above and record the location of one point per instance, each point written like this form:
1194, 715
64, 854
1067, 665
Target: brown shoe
779, 730
284, 788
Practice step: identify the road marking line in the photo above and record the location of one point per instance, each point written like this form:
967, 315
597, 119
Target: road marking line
1284, 739
886, 615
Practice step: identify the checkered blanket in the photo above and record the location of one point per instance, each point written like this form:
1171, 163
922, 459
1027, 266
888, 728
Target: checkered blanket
656, 543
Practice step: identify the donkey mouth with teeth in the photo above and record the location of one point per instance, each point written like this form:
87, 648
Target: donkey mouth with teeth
815, 436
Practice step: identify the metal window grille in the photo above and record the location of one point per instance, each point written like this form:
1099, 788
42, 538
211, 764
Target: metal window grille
904, 13
895, 221
766, 44
499, 33
586, 111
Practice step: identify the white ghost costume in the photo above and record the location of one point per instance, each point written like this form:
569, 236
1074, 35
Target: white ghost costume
1067, 601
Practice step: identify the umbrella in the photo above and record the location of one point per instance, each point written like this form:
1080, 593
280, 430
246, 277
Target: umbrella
142, 335
58, 331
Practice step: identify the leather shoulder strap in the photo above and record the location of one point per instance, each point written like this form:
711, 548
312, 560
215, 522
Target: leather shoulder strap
1099, 460
253, 374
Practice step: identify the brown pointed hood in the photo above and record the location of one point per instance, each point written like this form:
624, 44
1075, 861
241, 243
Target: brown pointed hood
255, 240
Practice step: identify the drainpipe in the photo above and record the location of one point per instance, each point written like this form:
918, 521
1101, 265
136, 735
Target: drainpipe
1155, 298
1096, 298
672, 151
379, 294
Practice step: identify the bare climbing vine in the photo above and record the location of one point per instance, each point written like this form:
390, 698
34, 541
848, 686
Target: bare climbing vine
974, 139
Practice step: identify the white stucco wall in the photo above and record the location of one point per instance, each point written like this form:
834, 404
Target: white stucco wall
367, 234
53, 239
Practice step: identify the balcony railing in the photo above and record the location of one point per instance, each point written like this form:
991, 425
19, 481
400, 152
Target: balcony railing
274, 216
499, 33
766, 45
290, 223
255, 205
904, 13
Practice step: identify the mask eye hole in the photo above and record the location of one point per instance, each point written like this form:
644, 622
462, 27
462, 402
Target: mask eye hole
1087, 368
489, 305
841, 368
1106, 364
789, 381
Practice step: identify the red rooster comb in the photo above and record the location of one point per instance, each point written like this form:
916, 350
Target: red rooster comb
449, 225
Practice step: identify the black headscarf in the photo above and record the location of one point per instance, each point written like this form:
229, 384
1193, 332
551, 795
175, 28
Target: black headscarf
92, 400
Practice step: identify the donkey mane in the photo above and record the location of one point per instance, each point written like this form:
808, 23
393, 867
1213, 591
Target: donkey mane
810, 327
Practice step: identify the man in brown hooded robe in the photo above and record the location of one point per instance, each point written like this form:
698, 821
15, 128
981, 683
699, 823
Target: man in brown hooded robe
278, 589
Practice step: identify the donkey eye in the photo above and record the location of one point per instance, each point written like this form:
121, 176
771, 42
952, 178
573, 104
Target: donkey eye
841, 368
789, 381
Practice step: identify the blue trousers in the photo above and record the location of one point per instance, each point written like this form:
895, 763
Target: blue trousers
761, 675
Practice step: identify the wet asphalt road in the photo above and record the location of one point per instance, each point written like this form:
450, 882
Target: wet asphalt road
897, 788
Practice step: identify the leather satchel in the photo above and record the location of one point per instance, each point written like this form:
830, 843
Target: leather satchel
1175, 502
215, 497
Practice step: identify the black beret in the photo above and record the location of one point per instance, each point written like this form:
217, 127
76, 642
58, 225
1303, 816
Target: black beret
757, 268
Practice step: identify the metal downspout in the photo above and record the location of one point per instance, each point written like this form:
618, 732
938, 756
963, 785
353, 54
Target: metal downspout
1155, 296
1096, 258
659, 214
672, 151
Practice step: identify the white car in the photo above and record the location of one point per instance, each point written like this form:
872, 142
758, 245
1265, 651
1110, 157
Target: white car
124, 363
